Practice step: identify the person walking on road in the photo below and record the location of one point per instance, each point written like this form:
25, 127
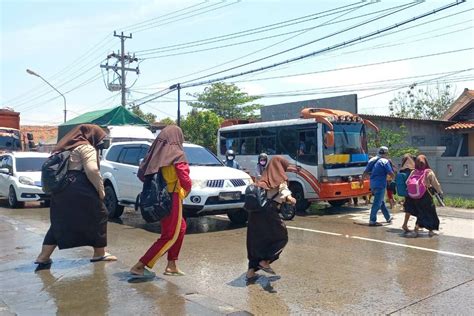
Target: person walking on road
166, 153
78, 215
266, 233
421, 184
379, 168
408, 165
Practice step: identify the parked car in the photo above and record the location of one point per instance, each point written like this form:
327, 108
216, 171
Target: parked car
20, 178
216, 189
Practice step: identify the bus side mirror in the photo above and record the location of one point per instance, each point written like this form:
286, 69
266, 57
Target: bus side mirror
329, 139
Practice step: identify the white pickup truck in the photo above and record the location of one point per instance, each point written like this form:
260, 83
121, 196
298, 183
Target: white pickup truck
216, 189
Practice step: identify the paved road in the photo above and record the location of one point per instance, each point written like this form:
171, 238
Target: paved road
329, 266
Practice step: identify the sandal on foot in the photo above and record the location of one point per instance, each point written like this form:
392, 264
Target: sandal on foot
106, 257
174, 273
268, 270
147, 275
406, 229
43, 265
251, 279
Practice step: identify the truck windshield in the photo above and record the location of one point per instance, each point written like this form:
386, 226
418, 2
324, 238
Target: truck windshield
350, 146
9, 139
199, 156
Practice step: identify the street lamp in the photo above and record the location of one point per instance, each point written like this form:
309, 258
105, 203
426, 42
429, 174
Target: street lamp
31, 72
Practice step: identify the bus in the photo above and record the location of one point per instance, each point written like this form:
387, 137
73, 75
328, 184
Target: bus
326, 148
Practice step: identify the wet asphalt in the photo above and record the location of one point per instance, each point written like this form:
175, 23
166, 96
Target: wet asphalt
330, 266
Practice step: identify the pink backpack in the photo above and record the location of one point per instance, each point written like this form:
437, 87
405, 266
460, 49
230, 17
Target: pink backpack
416, 186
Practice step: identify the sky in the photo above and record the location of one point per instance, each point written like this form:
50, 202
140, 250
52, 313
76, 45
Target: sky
191, 42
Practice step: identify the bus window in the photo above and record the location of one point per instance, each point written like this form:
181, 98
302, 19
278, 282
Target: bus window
307, 147
229, 140
248, 142
267, 143
287, 142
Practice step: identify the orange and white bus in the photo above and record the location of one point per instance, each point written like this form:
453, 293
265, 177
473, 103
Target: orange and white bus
327, 150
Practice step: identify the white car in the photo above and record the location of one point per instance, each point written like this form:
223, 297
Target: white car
20, 177
216, 189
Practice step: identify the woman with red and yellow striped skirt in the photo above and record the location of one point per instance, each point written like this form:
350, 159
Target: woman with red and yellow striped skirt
167, 154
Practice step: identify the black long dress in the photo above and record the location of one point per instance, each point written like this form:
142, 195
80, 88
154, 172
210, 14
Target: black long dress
78, 216
266, 236
426, 216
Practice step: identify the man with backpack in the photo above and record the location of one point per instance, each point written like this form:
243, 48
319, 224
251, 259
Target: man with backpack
379, 168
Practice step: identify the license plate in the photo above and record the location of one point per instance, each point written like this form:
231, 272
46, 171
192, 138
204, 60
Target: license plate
229, 196
356, 185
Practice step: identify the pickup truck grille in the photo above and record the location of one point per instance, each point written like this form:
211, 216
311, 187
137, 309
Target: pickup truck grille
220, 183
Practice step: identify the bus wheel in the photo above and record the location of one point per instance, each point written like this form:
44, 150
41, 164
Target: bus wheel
338, 203
297, 192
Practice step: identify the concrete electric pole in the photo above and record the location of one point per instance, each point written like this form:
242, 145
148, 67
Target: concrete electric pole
123, 59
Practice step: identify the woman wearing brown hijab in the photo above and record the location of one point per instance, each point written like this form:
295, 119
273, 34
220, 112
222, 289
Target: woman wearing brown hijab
166, 154
266, 232
78, 215
424, 207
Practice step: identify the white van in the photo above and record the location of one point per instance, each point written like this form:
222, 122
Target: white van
125, 133
216, 189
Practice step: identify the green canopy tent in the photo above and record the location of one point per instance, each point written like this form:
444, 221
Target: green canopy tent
108, 117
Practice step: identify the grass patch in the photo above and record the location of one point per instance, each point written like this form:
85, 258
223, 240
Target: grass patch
455, 201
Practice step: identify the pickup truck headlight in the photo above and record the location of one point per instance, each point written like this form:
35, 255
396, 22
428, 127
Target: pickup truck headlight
26, 180
199, 184
248, 181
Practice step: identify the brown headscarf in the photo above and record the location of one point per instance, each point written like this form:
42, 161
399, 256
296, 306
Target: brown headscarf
166, 150
274, 174
407, 162
421, 163
84, 134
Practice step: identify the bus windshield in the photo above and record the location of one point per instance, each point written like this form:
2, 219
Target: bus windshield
350, 146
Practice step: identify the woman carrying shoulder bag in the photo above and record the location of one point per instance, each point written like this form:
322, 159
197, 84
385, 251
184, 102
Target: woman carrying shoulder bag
78, 215
266, 233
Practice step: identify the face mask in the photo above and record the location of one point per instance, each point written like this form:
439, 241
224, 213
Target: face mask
230, 158
263, 162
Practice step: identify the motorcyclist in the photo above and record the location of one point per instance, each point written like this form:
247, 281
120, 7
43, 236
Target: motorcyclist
261, 165
230, 159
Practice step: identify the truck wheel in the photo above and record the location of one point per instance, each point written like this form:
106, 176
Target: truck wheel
338, 203
297, 192
111, 203
12, 200
238, 217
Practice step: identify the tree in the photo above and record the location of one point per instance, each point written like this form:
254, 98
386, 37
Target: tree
168, 121
394, 140
227, 101
422, 103
148, 117
200, 127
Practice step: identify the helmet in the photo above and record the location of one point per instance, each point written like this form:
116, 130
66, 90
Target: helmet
263, 156
383, 150
229, 152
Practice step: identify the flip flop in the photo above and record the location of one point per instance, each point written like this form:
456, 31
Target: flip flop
252, 279
177, 273
43, 265
268, 270
106, 257
147, 275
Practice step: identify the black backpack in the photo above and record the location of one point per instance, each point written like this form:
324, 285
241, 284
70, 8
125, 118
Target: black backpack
54, 172
256, 198
155, 201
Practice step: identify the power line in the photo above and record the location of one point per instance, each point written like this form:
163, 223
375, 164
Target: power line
328, 48
357, 66
248, 32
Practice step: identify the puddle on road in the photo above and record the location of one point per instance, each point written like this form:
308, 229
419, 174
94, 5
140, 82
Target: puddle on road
195, 225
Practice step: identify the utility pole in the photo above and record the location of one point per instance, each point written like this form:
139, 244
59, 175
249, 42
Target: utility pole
178, 87
123, 59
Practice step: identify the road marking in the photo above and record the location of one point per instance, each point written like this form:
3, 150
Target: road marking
383, 242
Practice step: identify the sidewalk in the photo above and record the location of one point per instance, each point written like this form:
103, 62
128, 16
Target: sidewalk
76, 286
